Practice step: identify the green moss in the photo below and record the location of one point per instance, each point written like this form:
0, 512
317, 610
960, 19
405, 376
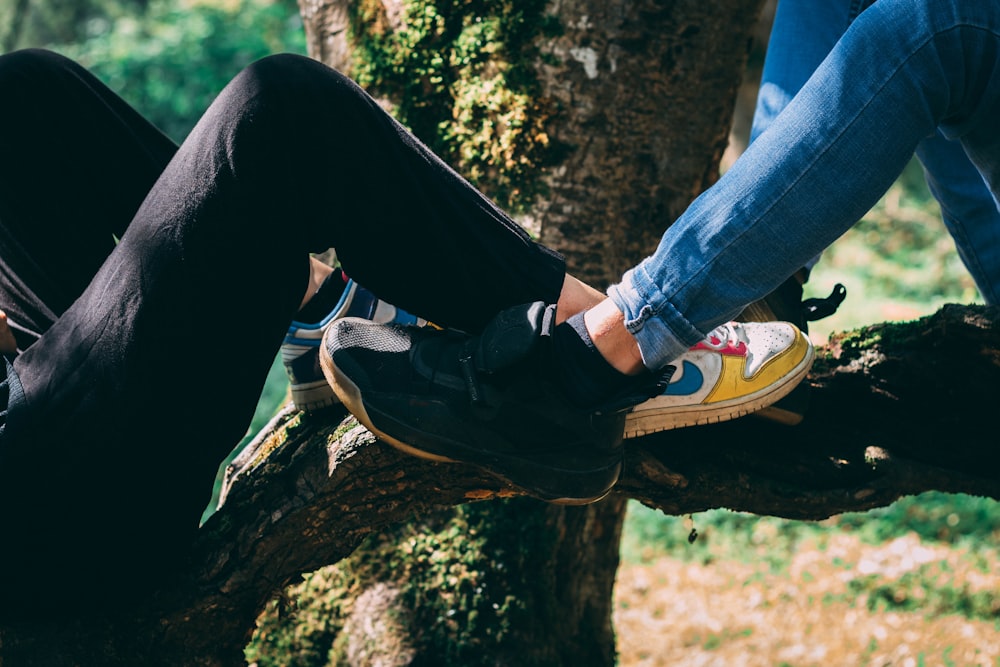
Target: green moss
343, 429
456, 572
461, 74
279, 438
853, 344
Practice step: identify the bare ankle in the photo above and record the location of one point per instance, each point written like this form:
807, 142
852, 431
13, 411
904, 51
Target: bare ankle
575, 297
606, 326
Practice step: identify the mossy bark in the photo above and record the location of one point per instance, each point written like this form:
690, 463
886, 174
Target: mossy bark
504, 583
597, 121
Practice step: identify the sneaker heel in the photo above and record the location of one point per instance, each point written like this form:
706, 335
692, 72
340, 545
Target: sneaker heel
314, 396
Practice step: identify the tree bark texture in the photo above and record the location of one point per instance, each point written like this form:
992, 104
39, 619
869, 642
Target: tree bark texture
642, 97
646, 91
643, 93
482, 584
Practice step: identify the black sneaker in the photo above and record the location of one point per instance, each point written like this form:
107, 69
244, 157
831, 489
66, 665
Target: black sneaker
487, 400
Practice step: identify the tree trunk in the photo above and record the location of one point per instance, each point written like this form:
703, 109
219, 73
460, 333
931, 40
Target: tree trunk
637, 97
625, 100
647, 89
504, 583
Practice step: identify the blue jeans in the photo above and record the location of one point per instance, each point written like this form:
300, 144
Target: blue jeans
803, 33
903, 71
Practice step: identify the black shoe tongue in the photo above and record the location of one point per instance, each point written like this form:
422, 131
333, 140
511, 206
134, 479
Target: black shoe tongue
587, 379
513, 335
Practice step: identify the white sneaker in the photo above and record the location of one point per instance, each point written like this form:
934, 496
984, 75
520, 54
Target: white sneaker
739, 368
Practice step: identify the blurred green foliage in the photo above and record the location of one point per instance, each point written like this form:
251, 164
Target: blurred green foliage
168, 58
955, 519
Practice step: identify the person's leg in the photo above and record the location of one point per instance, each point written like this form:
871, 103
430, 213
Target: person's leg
968, 209
334, 296
901, 70
491, 399
135, 394
77, 163
802, 34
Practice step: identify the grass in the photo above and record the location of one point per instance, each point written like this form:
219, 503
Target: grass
914, 583
955, 520
805, 594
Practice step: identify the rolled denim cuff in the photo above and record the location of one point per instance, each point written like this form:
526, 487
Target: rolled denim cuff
661, 331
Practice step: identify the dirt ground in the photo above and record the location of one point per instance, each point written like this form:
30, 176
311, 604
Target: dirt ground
811, 611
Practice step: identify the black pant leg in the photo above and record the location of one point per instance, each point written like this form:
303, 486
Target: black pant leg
403, 223
135, 394
76, 163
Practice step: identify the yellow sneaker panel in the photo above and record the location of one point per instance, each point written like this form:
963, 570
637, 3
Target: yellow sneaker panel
733, 384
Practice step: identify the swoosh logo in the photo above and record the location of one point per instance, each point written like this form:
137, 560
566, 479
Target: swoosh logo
690, 382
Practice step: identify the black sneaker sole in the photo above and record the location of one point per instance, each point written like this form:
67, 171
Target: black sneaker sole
514, 471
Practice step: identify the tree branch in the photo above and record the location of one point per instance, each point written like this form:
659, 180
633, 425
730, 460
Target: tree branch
896, 409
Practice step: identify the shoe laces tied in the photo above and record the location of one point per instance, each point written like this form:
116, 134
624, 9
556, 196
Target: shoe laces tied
723, 336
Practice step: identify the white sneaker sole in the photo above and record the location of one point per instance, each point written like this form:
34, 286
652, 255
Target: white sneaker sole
653, 420
316, 395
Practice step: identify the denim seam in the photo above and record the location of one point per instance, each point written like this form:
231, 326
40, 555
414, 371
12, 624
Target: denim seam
658, 305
